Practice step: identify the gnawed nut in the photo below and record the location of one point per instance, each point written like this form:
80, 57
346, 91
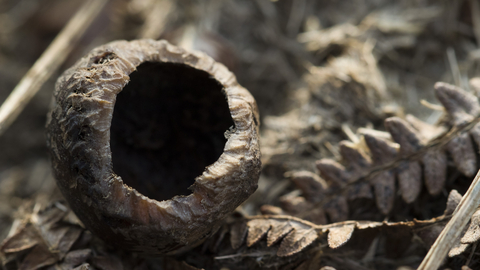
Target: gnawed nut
134, 124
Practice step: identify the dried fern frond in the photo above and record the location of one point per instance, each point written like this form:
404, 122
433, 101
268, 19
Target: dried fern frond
413, 155
281, 238
294, 235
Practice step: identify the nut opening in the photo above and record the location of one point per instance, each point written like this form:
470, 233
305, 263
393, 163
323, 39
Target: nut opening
168, 125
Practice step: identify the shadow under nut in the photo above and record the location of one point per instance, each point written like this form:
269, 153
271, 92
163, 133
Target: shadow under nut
136, 123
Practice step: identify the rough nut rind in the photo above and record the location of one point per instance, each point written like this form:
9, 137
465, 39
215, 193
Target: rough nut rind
78, 136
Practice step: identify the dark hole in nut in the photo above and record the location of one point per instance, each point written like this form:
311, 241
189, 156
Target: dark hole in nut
168, 125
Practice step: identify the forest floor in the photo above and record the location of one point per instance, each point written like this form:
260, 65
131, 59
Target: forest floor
322, 73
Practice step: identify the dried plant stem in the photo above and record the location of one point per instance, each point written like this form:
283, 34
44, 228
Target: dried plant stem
48, 62
156, 19
476, 19
452, 60
188, 37
468, 205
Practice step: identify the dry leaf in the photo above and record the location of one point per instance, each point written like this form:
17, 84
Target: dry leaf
293, 234
463, 154
460, 105
43, 239
473, 232
435, 170
340, 235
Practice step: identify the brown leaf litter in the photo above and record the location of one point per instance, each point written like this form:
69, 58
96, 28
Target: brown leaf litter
47, 235
318, 69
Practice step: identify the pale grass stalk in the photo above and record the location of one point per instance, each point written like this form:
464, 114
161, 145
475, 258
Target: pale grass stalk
48, 63
476, 19
156, 19
447, 238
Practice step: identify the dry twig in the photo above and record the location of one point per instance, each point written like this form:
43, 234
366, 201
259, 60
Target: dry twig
454, 228
156, 19
48, 62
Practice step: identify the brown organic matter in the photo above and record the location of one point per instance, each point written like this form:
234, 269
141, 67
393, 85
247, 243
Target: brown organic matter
414, 153
134, 125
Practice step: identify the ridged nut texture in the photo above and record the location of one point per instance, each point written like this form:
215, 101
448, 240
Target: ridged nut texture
133, 125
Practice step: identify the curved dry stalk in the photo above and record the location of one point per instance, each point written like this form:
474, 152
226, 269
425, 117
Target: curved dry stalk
454, 228
48, 62
156, 19
291, 235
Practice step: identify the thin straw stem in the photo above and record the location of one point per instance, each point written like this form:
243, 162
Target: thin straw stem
48, 62
156, 19
465, 209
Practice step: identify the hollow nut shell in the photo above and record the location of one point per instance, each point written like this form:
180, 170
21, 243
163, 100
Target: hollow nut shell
78, 136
